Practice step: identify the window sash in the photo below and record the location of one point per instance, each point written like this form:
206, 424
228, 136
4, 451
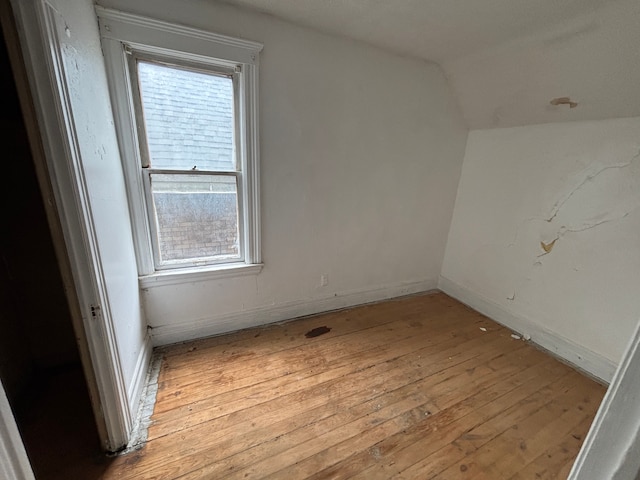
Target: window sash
154, 228
135, 56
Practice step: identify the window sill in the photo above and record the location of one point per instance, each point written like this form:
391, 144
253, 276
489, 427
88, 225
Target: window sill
197, 274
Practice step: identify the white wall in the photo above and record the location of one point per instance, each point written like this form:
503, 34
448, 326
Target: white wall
360, 156
577, 183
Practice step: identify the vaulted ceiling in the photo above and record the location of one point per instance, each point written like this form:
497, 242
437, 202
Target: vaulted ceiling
505, 59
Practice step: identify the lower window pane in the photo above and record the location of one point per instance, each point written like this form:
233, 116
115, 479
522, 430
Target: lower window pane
196, 217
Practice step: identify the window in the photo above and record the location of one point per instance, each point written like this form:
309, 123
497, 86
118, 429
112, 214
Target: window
185, 103
186, 129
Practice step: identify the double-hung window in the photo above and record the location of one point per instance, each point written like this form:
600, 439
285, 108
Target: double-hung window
185, 103
187, 128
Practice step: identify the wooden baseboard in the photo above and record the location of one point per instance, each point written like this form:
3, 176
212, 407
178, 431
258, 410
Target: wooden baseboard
577, 355
139, 376
218, 324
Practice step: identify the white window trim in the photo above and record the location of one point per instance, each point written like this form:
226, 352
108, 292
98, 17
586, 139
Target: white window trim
184, 275
121, 31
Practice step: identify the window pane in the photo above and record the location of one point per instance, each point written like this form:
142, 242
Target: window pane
197, 217
188, 118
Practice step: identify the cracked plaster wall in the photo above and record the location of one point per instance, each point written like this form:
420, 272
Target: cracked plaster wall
546, 227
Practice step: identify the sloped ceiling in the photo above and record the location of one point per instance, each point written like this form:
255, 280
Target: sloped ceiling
505, 59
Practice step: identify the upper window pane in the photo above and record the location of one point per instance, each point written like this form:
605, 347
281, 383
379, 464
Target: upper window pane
188, 118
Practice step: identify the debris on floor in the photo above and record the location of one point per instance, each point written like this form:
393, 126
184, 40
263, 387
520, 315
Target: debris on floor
316, 332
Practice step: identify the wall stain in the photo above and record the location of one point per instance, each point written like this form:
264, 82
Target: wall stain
564, 101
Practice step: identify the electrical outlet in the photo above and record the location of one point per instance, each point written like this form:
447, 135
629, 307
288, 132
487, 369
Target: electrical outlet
324, 280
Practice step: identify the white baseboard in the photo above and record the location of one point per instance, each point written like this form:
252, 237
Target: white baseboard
136, 385
217, 324
577, 355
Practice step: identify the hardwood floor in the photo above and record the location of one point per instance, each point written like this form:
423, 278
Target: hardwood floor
421, 387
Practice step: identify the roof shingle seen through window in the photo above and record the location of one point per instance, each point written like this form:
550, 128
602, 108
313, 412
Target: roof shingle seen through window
188, 118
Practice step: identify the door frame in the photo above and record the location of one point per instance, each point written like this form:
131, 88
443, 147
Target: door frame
14, 463
44, 183
612, 447
36, 56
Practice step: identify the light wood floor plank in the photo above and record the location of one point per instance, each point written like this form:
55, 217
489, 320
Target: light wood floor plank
519, 431
398, 452
380, 360
550, 463
420, 387
316, 354
438, 359
383, 420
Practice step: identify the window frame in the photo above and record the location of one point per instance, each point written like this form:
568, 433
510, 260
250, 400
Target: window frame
127, 38
134, 57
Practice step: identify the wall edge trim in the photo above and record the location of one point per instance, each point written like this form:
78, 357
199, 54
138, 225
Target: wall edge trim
578, 356
233, 321
137, 383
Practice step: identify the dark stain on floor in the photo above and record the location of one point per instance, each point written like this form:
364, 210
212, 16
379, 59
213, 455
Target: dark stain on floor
316, 332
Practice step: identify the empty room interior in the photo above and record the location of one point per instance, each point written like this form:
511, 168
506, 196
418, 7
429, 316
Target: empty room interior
299, 239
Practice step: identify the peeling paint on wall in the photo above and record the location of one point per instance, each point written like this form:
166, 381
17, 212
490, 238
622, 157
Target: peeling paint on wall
547, 225
547, 247
590, 176
587, 177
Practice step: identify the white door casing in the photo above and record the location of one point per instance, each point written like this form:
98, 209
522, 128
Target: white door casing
14, 463
49, 53
612, 447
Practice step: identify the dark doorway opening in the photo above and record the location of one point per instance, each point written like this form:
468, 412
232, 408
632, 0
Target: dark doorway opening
40, 363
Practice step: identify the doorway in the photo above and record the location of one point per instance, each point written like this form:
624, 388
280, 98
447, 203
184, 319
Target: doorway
40, 363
